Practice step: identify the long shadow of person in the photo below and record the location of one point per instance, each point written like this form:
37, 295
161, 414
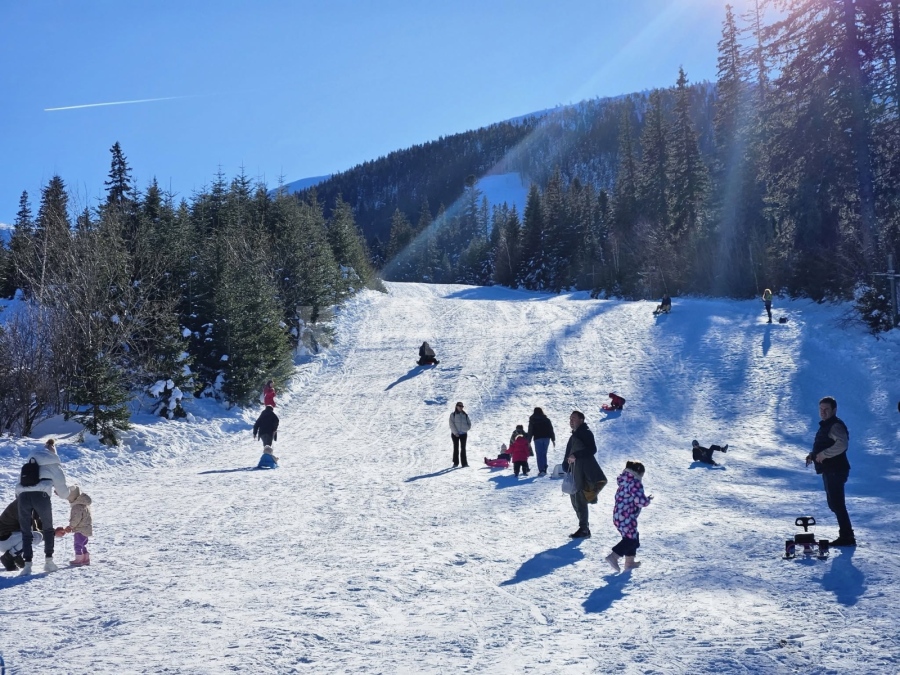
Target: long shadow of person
430, 475
844, 580
508, 480
610, 415
547, 562
244, 468
767, 339
411, 374
711, 467
601, 599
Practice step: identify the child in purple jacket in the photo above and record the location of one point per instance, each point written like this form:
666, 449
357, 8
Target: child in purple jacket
630, 499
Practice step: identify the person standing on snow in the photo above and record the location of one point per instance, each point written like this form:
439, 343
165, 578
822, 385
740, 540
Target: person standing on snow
269, 393
829, 454
580, 461
266, 426
767, 298
630, 499
540, 430
459, 430
34, 500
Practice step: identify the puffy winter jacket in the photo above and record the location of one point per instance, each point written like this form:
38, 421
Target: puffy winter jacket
630, 498
266, 423
269, 395
80, 519
582, 446
520, 450
459, 423
540, 426
832, 440
51, 475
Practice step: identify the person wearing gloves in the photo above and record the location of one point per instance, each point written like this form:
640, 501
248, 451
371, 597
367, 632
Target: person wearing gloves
81, 523
35, 500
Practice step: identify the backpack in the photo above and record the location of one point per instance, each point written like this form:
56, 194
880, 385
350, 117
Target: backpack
31, 473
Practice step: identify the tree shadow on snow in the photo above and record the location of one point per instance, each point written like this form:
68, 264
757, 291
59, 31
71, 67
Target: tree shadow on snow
411, 374
546, 562
603, 598
243, 468
509, 480
843, 579
431, 475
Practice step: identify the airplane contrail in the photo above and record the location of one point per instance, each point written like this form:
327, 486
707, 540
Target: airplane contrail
98, 105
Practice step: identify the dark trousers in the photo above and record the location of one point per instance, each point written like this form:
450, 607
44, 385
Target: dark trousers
521, 465
579, 503
769, 309
627, 546
541, 445
459, 449
267, 439
39, 502
834, 492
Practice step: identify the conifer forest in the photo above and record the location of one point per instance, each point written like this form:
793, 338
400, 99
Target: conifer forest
782, 174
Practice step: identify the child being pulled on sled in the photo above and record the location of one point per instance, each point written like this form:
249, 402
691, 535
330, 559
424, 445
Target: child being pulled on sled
268, 459
630, 499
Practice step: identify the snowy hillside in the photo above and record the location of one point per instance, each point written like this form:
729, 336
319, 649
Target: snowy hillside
366, 552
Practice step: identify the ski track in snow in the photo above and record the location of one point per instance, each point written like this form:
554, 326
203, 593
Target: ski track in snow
366, 552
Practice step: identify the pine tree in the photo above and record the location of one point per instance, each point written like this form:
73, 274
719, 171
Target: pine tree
688, 178
533, 272
21, 249
52, 238
349, 249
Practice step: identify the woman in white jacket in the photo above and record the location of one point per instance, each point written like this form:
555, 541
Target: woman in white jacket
36, 498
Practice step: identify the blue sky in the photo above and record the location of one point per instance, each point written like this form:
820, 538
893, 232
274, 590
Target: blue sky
306, 88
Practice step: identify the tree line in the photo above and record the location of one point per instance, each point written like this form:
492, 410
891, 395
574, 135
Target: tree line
784, 173
207, 296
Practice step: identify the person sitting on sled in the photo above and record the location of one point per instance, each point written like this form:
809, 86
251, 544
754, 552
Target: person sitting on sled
502, 461
268, 459
616, 402
426, 355
704, 455
665, 306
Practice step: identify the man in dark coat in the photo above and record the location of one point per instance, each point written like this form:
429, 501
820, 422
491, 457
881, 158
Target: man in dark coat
266, 426
589, 477
829, 454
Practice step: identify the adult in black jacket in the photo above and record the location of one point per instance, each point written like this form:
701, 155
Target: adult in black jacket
829, 455
540, 430
266, 426
589, 477
9, 526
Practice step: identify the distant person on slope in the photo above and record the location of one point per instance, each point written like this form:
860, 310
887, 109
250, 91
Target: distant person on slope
269, 393
266, 427
459, 431
540, 430
767, 299
630, 499
427, 355
705, 455
589, 478
34, 500
664, 306
829, 455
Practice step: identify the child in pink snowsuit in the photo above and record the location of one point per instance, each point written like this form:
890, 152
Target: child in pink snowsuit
630, 499
269, 393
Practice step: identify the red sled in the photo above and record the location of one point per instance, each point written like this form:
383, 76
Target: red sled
609, 408
497, 463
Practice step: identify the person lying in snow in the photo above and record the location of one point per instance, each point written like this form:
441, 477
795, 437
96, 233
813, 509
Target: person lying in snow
705, 455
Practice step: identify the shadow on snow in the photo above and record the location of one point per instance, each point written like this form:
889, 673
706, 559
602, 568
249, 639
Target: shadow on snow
547, 562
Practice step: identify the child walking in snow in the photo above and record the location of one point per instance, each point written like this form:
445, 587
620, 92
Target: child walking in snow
268, 459
520, 450
269, 393
81, 523
630, 499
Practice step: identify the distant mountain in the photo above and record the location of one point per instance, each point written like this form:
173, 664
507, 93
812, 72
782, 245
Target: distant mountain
305, 183
5, 232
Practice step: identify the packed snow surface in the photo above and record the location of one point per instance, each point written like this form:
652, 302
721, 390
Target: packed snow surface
365, 552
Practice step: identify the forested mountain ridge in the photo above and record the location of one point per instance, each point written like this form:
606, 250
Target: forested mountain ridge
784, 173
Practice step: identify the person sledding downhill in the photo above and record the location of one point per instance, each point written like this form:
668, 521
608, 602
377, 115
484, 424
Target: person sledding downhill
664, 306
616, 402
502, 460
705, 455
427, 355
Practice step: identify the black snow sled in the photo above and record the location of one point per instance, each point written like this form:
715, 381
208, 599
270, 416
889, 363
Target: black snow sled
805, 542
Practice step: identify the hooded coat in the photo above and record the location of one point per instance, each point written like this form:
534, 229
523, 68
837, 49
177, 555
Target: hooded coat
51, 474
582, 446
80, 519
630, 499
520, 449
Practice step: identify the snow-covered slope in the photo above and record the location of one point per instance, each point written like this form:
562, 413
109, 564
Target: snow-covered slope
365, 552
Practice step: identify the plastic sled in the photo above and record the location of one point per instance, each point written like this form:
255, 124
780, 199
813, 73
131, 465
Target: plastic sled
497, 463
